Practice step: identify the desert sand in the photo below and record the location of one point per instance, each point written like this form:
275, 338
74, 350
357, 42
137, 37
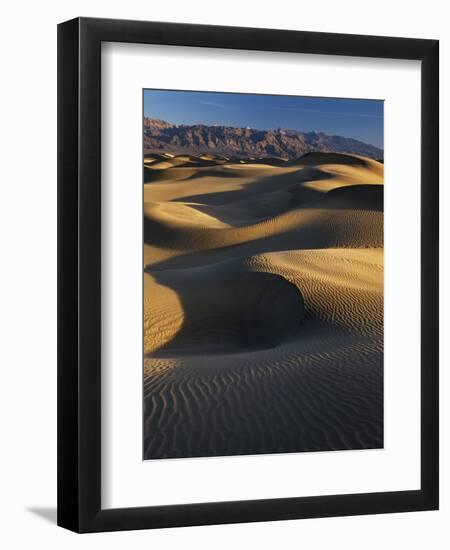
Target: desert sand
263, 304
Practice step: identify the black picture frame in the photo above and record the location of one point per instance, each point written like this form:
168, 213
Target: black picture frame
79, 274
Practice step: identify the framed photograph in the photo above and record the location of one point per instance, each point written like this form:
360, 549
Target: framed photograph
248, 275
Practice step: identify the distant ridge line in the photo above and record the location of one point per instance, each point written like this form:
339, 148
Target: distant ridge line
161, 135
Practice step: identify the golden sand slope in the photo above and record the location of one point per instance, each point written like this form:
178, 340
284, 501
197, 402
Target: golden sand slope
263, 305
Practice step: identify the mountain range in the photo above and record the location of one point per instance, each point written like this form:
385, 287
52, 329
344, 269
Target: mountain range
160, 135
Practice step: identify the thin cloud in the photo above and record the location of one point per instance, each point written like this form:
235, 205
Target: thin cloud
299, 109
213, 104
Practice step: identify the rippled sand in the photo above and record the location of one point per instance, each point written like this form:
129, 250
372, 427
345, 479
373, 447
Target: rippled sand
263, 305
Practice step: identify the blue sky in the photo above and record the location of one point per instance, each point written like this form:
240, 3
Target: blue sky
360, 119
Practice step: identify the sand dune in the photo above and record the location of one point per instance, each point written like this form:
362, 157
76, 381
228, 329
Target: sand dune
263, 305
227, 308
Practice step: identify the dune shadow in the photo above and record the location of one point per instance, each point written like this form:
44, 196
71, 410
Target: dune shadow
353, 197
247, 211
210, 174
229, 311
261, 185
318, 158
